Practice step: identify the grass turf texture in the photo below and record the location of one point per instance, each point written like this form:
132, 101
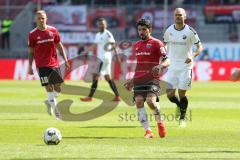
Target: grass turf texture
212, 133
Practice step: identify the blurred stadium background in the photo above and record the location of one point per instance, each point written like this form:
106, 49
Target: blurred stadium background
216, 21
214, 106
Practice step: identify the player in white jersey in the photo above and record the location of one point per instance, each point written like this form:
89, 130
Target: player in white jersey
179, 39
103, 39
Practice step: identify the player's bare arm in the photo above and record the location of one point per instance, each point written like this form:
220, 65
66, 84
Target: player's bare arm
62, 53
30, 59
195, 53
115, 52
159, 69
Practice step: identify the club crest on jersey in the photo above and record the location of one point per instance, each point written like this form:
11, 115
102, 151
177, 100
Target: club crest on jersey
50, 34
184, 36
38, 37
149, 46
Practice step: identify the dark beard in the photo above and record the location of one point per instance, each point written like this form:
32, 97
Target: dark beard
143, 37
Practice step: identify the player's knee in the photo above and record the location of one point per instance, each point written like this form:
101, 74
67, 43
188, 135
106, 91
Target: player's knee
107, 77
182, 93
151, 100
170, 93
49, 88
57, 87
139, 100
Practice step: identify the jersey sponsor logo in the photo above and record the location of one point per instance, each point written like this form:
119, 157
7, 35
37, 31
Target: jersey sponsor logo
45, 41
143, 53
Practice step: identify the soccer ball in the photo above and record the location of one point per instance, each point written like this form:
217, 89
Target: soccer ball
52, 136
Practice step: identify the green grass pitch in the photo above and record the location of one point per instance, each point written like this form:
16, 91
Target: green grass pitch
212, 133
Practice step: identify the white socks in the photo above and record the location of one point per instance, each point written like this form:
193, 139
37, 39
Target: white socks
52, 100
142, 117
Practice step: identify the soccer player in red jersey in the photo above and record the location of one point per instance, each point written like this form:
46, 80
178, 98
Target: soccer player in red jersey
151, 56
42, 42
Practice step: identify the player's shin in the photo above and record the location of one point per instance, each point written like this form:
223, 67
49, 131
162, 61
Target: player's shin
160, 123
183, 107
113, 87
174, 99
143, 119
93, 88
51, 99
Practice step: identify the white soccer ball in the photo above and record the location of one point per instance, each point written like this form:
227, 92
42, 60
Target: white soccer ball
52, 136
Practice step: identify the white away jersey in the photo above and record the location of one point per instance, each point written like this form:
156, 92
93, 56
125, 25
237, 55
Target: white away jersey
102, 40
179, 45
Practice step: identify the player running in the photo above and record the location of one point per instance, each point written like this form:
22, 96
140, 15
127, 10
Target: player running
151, 55
102, 39
179, 39
42, 42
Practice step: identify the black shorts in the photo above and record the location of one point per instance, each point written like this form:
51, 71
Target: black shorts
143, 90
49, 75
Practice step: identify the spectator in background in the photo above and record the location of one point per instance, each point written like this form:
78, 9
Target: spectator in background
5, 30
131, 31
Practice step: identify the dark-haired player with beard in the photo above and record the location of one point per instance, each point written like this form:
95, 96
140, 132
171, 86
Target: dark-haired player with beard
151, 56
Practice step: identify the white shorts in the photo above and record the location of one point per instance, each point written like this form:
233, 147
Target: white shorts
179, 79
106, 68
